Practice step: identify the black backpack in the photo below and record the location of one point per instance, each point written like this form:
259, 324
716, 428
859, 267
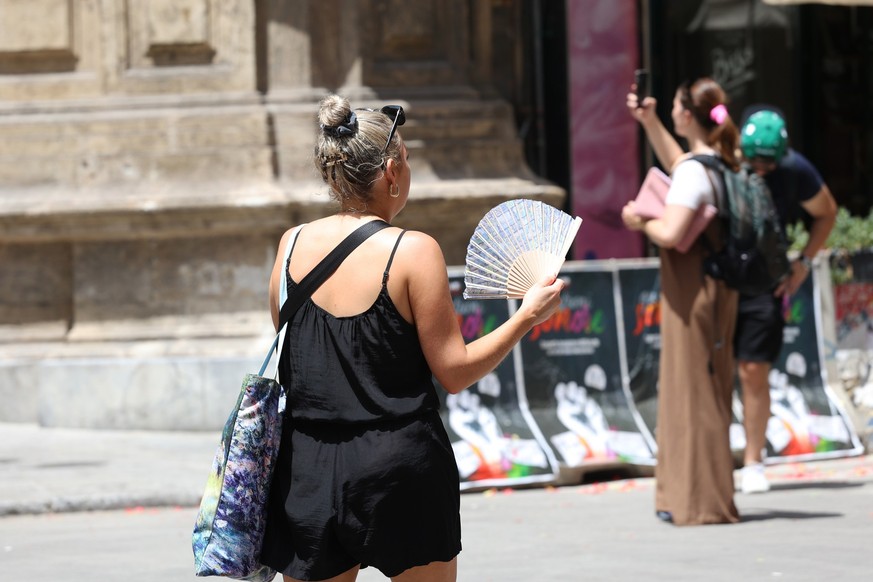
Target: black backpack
754, 258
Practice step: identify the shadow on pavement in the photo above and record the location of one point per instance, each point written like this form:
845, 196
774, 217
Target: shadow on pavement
747, 516
815, 485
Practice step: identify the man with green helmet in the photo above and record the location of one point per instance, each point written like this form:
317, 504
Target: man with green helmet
799, 193
764, 138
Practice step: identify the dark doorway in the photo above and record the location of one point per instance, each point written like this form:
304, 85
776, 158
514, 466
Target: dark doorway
814, 62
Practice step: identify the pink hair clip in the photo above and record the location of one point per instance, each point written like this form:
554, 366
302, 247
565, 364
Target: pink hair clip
718, 113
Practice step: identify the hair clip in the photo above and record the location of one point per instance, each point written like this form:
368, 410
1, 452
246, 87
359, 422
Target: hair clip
718, 113
334, 159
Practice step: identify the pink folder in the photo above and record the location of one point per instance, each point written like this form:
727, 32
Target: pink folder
650, 203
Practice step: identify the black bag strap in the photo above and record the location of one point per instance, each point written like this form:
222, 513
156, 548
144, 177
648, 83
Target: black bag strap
716, 164
325, 269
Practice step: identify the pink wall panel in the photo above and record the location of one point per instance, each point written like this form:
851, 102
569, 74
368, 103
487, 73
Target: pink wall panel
602, 38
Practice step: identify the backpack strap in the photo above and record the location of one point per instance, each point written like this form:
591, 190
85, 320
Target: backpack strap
716, 164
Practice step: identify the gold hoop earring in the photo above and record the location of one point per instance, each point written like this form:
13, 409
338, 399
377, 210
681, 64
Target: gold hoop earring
393, 190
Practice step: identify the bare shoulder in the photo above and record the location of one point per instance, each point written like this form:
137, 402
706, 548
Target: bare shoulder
417, 246
416, 237
420, 259
286, 236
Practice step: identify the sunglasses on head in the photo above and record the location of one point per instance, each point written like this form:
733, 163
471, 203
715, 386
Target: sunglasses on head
395, 113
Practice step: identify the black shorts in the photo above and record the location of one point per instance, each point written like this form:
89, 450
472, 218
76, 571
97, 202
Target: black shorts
760, 323
384, 494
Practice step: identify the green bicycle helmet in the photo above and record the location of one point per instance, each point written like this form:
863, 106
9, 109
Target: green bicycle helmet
764, 135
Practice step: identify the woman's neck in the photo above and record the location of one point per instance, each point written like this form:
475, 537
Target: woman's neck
698, 145
363, 215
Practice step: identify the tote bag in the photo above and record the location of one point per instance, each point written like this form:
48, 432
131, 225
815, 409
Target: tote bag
232, 517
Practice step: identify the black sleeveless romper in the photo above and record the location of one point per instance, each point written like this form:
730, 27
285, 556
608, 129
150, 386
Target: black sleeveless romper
366, 473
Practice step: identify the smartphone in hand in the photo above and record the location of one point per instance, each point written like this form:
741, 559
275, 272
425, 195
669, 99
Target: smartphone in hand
641, 79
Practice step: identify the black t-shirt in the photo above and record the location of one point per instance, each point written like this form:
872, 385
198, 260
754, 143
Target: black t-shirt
794, 181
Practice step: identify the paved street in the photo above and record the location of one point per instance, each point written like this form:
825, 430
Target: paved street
815, 524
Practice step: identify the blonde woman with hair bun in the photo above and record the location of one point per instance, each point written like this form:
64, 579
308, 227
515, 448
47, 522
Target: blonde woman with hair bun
366, 475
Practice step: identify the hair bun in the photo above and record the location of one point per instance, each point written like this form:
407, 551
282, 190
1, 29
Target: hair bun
333, 111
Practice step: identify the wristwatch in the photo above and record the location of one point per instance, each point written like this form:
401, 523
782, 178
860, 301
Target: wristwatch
806, 262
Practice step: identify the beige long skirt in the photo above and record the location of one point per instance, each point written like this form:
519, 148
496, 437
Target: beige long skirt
694, 473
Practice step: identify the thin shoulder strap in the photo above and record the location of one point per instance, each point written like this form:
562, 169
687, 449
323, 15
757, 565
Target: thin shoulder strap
283, 297
283, 281
711, 161
326, 267
391, 258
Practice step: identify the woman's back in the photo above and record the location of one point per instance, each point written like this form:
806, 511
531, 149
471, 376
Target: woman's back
350, 354
354, 286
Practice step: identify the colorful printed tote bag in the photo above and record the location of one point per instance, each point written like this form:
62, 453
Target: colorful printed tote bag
233, 512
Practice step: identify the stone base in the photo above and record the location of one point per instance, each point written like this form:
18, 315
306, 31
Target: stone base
154, 327
144, 385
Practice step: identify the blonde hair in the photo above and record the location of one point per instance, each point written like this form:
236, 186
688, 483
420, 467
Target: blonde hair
348, 150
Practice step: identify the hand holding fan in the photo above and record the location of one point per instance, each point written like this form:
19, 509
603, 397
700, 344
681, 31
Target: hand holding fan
514, 246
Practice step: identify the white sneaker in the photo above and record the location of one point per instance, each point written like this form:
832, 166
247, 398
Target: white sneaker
753, 479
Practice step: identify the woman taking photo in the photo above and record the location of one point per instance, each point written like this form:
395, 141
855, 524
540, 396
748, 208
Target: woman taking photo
366, 475
694, 472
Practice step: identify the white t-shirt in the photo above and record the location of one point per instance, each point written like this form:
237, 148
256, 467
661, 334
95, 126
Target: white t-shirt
691, 186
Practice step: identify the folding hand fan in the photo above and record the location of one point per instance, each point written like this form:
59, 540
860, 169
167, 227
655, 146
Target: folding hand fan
514, 246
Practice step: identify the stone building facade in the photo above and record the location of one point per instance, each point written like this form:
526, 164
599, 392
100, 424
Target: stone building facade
153, 152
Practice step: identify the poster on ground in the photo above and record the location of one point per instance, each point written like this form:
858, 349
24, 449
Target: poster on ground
807, 422
640, 295
580, 390
639, 292
493, 437
573, 380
